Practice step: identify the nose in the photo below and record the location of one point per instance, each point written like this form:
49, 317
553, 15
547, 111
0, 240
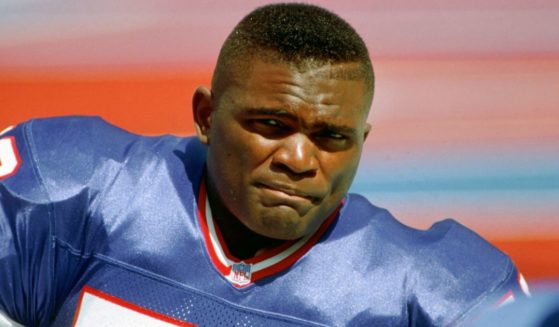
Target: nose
297, 156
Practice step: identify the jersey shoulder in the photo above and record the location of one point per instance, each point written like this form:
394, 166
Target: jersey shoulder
456, 267
379, 223
57, 155
69, 186
447, 244
450, 269
64, 155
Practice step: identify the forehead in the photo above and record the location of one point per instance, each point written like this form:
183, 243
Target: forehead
320, 91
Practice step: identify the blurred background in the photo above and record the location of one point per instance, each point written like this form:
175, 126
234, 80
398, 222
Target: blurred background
465, 116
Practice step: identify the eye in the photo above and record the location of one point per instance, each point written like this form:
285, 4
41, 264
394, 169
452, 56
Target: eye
331, 140
335, 136
268, 127
331, 135
269, 122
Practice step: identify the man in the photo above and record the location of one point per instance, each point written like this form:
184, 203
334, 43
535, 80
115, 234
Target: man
250, 223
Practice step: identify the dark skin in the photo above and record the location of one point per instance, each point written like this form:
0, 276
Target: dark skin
283, 147
242, 242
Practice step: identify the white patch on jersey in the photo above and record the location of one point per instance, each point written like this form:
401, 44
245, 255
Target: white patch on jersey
507, 299
524, 285
6, 130
240, 273
7, 322
9, 158
95, 311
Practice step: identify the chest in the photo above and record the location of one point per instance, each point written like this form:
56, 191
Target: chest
191, 292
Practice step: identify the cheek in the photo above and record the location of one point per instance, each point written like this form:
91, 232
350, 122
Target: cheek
340, 168
253, 150
239, 152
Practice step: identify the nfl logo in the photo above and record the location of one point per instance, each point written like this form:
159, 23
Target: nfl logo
241, 273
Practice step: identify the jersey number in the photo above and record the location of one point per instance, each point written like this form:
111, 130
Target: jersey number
9, 157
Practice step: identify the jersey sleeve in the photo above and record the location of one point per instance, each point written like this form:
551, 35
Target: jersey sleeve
52, 174
501, 282
459, 275
513, 288
25, 229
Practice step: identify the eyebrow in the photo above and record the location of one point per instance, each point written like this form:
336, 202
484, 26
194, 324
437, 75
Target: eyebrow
321, 125
342, 129
271, 112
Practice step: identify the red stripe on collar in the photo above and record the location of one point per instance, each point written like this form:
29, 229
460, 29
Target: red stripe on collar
265, 264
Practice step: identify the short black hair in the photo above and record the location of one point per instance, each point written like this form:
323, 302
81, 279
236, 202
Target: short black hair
294, 33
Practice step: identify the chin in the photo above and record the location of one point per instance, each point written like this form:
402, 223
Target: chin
282, 227
283, 235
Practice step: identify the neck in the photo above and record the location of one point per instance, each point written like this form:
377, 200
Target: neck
242, 242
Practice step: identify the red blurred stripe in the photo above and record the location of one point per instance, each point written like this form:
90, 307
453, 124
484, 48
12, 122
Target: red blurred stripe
148, 103
536, 258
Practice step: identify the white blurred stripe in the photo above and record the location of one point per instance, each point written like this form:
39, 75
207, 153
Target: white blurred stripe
7, 322
524, 285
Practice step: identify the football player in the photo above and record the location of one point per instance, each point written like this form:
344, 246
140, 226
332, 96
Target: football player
248, 223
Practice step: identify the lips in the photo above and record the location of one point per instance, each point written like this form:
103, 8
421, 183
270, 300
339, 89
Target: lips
288, 192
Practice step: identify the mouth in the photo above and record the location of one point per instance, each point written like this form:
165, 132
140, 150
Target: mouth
287, 192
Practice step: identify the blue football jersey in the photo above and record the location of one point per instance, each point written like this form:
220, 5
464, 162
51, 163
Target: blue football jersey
101, 227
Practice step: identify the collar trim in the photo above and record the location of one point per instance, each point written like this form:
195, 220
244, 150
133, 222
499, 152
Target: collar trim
242, 273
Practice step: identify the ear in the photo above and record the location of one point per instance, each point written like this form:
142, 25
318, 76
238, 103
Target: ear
202, 106
367, 130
